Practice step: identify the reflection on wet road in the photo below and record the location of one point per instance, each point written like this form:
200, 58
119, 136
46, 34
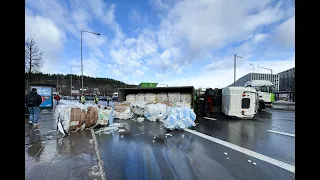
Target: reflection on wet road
49, 156
144, 152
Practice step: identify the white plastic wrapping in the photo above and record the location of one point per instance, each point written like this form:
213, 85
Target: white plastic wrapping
63, 111
105, 116
179, 118
122, 111
140, 119
151, 97
126, 114
162, 97
131, 98
140, 97
154, 112
138, 108
174, 97
183, 104
186, 98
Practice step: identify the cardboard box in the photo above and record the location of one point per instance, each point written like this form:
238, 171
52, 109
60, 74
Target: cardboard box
92, 117
75, 119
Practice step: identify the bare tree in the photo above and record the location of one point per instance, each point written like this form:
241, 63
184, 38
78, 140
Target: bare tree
33, 57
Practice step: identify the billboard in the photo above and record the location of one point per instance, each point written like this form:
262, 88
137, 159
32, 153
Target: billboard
46, 95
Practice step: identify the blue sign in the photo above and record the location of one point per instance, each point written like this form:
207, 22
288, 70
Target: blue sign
46, 95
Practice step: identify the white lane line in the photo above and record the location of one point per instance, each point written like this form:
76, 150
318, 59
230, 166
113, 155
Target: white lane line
210, 118
262, 157
278, 132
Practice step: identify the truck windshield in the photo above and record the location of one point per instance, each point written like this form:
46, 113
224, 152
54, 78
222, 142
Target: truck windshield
264, 89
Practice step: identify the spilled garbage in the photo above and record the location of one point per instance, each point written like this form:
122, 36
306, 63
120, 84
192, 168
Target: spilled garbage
173, 109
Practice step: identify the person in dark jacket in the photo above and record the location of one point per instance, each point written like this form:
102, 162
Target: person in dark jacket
33, 101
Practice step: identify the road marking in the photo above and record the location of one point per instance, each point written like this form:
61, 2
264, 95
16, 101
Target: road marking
210, 118
100, 163
278, 132
262, 157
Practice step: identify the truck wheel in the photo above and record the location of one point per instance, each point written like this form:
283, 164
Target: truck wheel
260, 107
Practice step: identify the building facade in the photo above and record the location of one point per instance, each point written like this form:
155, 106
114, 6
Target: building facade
258, 76
287, 80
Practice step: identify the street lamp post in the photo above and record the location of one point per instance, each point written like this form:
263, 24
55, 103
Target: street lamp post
235, 64
253, 68
187, 80
267, 69
71, 80
81, 58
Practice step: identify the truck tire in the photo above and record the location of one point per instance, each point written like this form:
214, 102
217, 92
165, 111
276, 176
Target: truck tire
260, 106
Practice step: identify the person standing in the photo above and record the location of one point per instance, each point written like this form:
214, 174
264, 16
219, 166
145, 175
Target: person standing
96, 99
108, 100
83, 99
57, 99
33, 101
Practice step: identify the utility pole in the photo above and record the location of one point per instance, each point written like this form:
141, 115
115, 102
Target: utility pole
81, 58
235, 64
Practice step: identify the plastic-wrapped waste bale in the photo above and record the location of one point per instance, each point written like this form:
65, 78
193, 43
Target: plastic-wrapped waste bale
180, 118
186, 99
154, 112
138, 108
141, 97
105, 116
122, 111
174, 97
162, 97
151, 97
131, 98
183, 104
75, 116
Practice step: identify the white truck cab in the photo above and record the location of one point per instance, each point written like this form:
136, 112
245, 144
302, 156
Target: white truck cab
240, 102
265, 89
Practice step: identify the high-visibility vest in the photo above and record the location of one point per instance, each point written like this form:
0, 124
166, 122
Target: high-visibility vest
83, 99
96, 99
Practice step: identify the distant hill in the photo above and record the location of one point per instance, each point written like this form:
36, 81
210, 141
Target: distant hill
103, 85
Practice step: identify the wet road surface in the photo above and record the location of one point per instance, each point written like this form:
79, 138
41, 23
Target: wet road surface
48, 156
254, 134
143, 151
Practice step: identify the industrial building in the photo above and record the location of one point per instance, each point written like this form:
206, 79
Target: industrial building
258, 76
287, 80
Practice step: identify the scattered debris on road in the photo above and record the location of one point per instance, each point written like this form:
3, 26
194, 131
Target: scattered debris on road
210, 118
121, 130
94, 171
140, 119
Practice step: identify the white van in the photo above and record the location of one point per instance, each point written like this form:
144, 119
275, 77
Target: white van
241, 102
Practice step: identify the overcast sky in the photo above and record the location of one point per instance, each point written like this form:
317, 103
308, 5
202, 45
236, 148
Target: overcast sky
164, 41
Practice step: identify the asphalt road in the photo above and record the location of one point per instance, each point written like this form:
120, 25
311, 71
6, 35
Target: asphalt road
143, 151
254, 134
